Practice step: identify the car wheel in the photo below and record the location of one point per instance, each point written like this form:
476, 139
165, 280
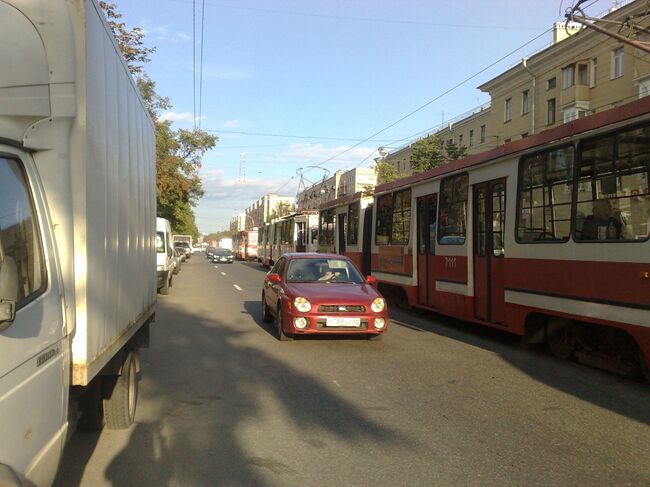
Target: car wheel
282, 336
267, 317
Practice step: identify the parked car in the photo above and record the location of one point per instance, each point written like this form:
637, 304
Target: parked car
185, 247
179, 258
223, 256
308, 293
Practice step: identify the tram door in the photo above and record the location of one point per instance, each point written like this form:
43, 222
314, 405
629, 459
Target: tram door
427, 211
489, 250
341, 233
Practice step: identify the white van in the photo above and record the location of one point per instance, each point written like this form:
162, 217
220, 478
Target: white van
164, 255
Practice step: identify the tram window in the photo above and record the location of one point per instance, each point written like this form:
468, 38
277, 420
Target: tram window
326, 227
401, 218
613, 201
384, 219
545, 196
498, 219
353, 223
452, 220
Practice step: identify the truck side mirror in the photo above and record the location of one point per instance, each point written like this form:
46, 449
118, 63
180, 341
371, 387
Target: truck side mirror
8, 292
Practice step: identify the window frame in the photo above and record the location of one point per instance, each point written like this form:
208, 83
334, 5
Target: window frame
391, 220
507, 110
613, 72
568, 81
38, 231
442, 203
353, 217
525, 102
483, 133
518, 190
322, 233
576, 180
551, 81
548, 112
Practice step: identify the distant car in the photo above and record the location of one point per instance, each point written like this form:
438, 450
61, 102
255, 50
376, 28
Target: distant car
185, 247
223, 256
179, 257
209, 252
322, 293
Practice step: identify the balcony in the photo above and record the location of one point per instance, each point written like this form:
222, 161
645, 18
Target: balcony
575, 93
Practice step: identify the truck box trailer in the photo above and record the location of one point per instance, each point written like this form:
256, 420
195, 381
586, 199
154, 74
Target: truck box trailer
77, 230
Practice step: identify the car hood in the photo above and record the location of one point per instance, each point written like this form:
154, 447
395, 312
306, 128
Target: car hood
334, 293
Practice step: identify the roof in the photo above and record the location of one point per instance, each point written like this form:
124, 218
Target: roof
343, 200
625, 112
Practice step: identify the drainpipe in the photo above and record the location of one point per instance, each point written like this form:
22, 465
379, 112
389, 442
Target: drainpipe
532, 108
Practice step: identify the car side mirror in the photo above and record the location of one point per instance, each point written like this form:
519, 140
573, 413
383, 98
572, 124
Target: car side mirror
275, 278
8, 292
372, 280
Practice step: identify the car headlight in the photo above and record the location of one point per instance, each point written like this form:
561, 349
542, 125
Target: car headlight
300, 323
380, 323
378, 305
302, 305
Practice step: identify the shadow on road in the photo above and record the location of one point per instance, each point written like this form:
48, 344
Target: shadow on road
205, 395
624, 396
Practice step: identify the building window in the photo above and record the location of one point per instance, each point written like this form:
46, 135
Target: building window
483, 134
568, 76
545, 196
551, 83
453, 210
507, 116
471, 138
550, 111
525, 102
460, 140
574, 112
593, 67
644, 87
583, 78
617, 63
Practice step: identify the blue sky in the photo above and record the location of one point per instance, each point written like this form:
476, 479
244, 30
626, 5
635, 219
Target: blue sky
331, 70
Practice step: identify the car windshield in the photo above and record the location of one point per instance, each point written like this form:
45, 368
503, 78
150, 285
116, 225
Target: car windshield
323, 270
222, 252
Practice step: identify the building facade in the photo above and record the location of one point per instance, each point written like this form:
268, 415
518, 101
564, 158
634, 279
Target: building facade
266, 208
340, 184
582, 72
237, 223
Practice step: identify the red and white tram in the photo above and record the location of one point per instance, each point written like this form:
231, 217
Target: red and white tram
292, 233
545, 237
345, 227
246, 245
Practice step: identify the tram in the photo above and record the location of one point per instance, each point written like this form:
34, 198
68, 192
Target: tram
297, 232
545, 237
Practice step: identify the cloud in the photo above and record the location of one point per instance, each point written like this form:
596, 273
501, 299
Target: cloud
178, 117
312, 154
163, 33
232, 124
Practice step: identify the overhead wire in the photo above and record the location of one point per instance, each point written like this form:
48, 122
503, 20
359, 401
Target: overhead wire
201, 64
194, 61
291, 136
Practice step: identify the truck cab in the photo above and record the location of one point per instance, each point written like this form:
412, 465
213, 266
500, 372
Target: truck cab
164, 255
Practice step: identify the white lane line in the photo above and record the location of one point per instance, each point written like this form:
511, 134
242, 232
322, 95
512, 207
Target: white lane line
223, 273
216, 266
237, 287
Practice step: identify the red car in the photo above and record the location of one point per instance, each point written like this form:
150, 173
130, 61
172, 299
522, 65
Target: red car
322, 293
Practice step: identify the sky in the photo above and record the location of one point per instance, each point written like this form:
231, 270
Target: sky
288, 84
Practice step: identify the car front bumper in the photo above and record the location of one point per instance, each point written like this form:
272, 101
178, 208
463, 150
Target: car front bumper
317, 323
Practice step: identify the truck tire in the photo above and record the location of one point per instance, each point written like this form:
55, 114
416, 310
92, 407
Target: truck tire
119, 408
165, 289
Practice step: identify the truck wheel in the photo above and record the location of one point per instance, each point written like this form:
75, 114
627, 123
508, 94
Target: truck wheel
267, 317
165, 289
119, 408
91, 408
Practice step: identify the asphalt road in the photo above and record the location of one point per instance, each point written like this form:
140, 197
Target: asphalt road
437, 402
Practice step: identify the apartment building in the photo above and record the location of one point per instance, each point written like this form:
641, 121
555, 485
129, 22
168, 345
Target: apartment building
582, 72
238, 223
339, 184
263, 210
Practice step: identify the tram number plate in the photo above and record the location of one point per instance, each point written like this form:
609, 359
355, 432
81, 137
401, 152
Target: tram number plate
344, 322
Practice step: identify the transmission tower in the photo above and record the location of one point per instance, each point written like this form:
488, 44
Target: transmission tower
242, 168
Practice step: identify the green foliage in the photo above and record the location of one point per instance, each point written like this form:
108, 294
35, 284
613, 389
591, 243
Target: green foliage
282, 208
385, 172
430, 152
178, 152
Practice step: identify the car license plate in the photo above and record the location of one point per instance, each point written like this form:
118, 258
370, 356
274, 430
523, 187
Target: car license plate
344, 322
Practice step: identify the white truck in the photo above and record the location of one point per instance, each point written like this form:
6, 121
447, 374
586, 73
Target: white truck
77, 232
164, 255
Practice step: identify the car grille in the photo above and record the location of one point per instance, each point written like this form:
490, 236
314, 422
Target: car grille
341, 308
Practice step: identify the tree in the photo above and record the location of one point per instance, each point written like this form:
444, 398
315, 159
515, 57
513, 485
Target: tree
282, 208
178, 152
385, 172
430, 152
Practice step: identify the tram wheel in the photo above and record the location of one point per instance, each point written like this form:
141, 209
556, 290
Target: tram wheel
561, 337
645, 366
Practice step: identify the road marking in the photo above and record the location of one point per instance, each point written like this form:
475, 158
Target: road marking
237, 287
216, 266
223, 273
